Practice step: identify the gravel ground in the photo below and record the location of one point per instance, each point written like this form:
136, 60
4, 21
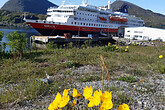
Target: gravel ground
149, 95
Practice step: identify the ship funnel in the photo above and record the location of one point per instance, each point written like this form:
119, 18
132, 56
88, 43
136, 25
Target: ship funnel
85, 2
109, 4
63, 2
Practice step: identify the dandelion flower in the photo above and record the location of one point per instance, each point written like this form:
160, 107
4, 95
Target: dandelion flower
126, 50
87, 92
123, 107
160, 56
74, 92
127, 47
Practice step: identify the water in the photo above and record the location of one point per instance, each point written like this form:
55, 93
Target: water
28, 32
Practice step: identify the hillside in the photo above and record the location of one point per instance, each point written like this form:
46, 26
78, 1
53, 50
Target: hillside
151, 19
15, 19
32, 6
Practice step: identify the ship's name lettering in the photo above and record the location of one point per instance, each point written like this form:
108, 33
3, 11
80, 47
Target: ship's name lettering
49, 26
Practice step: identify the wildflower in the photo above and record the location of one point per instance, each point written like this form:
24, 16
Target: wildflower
60, 102
121, 47
52, 107
78, 95
95, 99
161, 56
106, 105
117, 47
127, 47
65, 93
87, 92
63, 102
55, 103
106, 96
74, 92
126, 50
74, 103
123, 107
109, 44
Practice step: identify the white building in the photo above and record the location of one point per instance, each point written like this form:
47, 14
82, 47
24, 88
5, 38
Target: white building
144, 33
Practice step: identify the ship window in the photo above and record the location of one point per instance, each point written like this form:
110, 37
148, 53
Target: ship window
71, 22
81, 23
87, 24
94, 24
74, 22
36, 21
84, 23
44, 21
91, 24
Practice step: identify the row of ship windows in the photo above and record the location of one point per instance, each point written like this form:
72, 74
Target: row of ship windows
86, 14
90, 24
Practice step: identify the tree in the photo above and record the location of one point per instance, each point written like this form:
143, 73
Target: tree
1, 36
17, 43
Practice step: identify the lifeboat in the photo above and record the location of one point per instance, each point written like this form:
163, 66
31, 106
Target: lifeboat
102, 18
123, 19
114, 18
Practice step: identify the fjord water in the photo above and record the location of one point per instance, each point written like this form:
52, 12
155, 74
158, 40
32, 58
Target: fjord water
28, 32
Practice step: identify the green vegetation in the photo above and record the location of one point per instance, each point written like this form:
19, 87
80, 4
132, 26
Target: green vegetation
8, 18
17, 43
129, 79
60, 62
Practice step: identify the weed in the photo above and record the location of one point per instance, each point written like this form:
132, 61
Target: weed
129, 79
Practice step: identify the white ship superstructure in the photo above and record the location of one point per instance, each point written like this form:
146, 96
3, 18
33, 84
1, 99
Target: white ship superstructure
83, 20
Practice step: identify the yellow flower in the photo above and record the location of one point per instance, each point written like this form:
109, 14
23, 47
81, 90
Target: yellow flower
123, 107
63, 102
87, 92
65, 93
126, 50
121, 47
106, 96
74, 92
60, 102
52, 107
106, 105
161, 56
117, 47
74, 103
127, 47
109, 44
92, 101
55, 103
78, 95
95, 99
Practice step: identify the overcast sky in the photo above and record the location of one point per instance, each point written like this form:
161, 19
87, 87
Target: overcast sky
154, 5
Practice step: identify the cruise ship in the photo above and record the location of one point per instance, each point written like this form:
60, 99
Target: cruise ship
84, 20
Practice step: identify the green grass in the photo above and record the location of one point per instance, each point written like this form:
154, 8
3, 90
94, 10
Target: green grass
129, 79
35, 63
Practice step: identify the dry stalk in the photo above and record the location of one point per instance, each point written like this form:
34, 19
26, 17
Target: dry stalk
135, 88
107, 75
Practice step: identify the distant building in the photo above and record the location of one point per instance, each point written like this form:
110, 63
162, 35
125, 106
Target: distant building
144, 33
